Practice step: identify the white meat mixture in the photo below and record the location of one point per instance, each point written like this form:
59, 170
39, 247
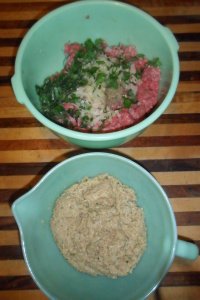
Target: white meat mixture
99, 227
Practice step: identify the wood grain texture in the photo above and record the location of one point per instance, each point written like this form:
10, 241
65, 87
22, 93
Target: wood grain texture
169, 149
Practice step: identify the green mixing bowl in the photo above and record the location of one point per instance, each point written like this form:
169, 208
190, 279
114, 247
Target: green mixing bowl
41, 54
51, 272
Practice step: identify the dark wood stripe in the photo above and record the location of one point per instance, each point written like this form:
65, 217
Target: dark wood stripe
155, 141
7, 60
17, 283
170, 165
26, 168
182, 219
188, 218
178, 119
8, 223
187, 56
186, 37
181, 279
190, 75
179, 191
171, 279
164, 141
11, 252
159, 165
14, 24
44, 7
9, 42
20, 122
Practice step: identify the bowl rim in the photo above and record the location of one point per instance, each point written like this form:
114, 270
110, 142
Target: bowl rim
86, 136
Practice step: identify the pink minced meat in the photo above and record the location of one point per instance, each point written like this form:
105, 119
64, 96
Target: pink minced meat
147, 96
147, 90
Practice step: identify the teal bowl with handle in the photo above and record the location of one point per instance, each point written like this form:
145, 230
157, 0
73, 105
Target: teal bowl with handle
52, 273
41, 54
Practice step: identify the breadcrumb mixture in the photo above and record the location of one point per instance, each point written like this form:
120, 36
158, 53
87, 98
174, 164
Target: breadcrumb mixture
99, 228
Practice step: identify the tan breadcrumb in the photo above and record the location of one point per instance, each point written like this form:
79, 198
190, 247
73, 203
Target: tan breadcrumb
98, 226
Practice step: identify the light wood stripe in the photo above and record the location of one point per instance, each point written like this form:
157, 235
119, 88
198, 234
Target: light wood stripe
172, 130
34, 14
138, 153
160, 152
185, 28
180, 178
13, 33
176, 28
165, 178
5, 210
185, 204
45, 133
185, 107
22, 295
13, 268
169, 293
190, 65
27, 133
18, 267
184, 66
192, 86
190, 232
181, 265
173, 10
189, 46
8, 51
6, 71
9, 237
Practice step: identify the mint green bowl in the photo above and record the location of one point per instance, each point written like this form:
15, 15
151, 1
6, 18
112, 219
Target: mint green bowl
41, 54
51, 272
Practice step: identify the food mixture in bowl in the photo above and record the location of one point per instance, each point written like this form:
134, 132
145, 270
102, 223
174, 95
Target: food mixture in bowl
102, 88
99, 227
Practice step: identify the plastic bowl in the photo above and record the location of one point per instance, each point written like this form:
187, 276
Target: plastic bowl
52, 273
41, 54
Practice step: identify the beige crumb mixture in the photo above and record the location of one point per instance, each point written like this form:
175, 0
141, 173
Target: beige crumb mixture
98, 226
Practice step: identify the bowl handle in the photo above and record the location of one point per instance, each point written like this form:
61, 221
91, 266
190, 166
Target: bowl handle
19, 93
186, 250
170, 36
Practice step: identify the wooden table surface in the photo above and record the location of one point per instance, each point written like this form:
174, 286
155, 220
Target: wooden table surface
169, 149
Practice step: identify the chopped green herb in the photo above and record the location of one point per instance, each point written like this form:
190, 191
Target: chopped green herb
155, 62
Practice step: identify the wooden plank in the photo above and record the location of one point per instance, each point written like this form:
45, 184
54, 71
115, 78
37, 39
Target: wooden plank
61, 154
166, 178
13, 268
186, 28
185, 204
189, 46
189, 232
9, 237
180, 178
183, 265
22, 295
169, 293
5, 210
